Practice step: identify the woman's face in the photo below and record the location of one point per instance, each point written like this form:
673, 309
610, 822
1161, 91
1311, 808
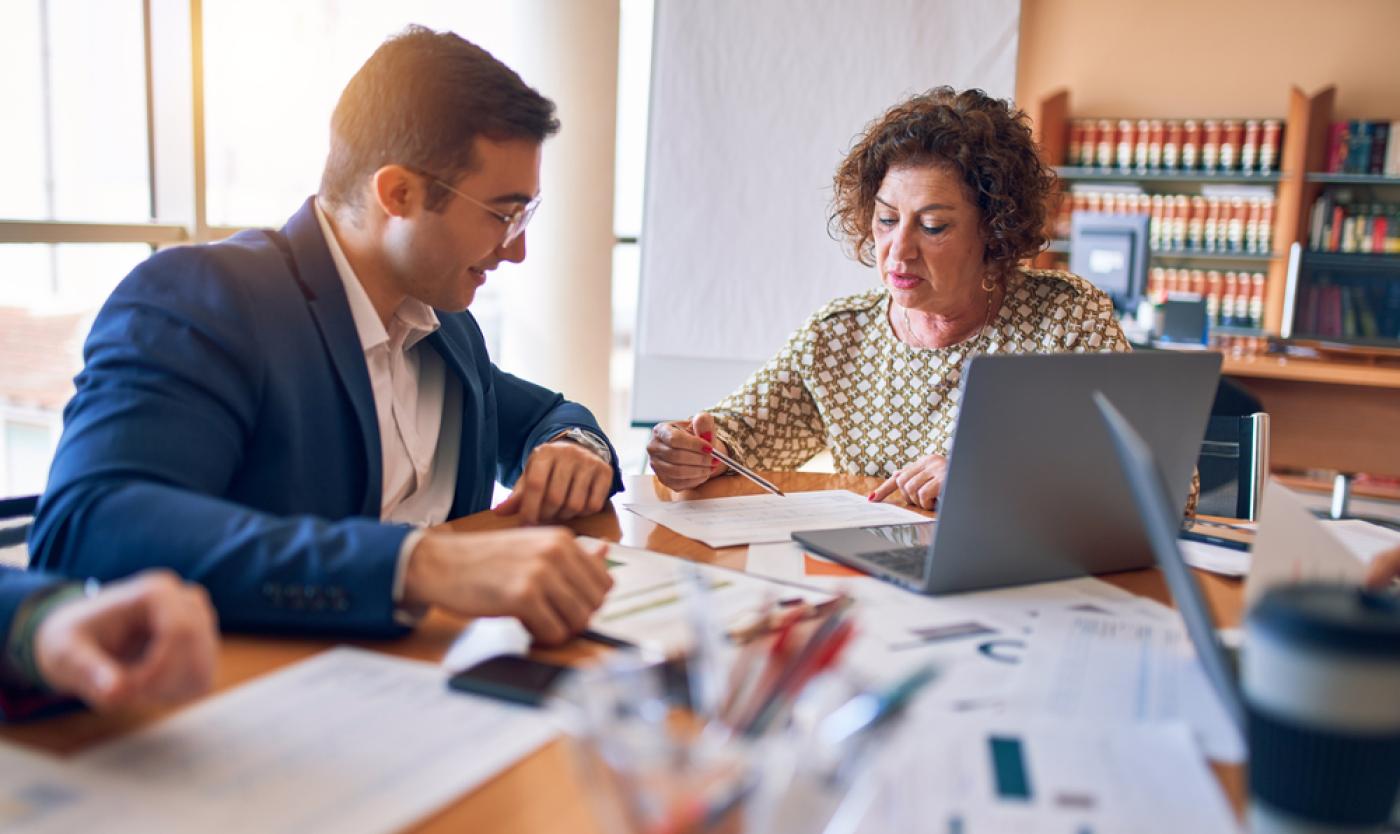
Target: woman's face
928, 239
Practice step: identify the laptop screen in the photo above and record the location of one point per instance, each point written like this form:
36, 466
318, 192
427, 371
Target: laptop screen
1161, 521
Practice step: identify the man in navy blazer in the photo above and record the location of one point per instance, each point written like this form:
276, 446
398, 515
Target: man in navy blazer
279, 416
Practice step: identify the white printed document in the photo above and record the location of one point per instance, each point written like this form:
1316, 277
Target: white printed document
999, 774
647, 604
1083, 666
1294, 546
1214, 558
748, 519
979, 640
346, 741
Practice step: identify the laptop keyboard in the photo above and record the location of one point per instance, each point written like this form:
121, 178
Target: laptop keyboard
907, 561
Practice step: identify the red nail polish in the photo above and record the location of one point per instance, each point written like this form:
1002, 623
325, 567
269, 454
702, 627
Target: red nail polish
870, 497
708, 437
708, 448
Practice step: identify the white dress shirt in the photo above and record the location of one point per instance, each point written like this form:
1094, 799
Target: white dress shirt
417, 402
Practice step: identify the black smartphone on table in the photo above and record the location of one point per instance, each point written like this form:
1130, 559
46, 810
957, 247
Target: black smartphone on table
510, 678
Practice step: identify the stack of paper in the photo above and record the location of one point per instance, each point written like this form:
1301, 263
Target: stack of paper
980, 640
1087, 667
1008, 774
347, 741
647, 603
747, 519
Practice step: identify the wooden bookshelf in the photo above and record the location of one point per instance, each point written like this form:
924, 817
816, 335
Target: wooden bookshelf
1304, 146
1329, 413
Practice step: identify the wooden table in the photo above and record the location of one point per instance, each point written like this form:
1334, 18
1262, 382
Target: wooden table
543, 793
1324, 414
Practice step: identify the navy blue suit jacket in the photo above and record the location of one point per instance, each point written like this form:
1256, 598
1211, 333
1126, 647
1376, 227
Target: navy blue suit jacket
224, 427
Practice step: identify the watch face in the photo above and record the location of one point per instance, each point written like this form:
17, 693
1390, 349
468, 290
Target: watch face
589, 442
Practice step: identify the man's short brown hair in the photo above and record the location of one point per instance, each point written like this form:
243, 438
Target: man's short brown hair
420, 101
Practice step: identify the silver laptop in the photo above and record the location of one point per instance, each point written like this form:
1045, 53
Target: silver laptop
1162, 521
1033, 490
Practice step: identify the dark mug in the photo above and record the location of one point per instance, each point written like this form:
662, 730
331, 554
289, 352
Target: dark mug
1321, 680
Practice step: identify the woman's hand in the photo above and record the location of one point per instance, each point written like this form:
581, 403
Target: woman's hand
680, 451
920, 482
1385, 569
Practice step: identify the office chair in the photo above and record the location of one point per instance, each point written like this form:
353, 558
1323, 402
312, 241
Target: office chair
1234, 465
16, 516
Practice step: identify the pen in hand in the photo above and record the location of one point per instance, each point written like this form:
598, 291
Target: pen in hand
745, 471
683, 455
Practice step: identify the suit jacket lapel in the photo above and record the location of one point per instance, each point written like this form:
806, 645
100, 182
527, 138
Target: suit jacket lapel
326, 300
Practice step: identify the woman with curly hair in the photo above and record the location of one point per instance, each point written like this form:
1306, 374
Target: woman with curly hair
945, 195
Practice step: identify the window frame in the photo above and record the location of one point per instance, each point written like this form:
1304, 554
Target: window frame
174, 76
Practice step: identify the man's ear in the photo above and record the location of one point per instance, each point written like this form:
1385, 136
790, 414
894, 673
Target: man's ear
398, 191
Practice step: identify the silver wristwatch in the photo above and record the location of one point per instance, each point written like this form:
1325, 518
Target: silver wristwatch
587, 440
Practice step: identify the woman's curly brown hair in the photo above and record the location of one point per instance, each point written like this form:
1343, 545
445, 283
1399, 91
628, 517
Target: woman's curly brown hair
985, 140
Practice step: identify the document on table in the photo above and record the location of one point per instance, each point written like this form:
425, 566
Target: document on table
1362, 537
1293, 546
1225, 561
1083, 666
747, 519
41, 794
647, 603
347, 741
979, 640
1006, 773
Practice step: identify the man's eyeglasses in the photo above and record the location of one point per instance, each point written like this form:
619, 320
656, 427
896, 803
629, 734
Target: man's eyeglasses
515, 222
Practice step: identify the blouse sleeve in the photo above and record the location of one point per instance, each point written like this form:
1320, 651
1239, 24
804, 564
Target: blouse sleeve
773, 422
1095, 326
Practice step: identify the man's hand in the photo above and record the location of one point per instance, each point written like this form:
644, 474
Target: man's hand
562, 480
148, 640
542, 577
920, 482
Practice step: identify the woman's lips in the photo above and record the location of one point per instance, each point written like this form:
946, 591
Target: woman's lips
903, 280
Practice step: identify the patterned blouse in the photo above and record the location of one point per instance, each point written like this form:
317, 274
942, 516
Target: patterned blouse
845, 382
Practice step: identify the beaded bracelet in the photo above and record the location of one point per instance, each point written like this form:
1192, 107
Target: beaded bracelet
23, 658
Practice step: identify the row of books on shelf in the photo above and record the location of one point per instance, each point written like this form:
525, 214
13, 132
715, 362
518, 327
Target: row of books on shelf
1184, 223
1359, 147
1339, 225
1233, 299
1332, 309
1209, 146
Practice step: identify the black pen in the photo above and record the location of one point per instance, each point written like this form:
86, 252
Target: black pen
1191, 535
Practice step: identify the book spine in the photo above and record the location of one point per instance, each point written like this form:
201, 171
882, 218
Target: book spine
1249, 149
1366, 314
1359, 147
1392, 151
1332, 322
1380, 134
1308, 314
1320, 210
1337, 148
1256, 301
1348, 327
